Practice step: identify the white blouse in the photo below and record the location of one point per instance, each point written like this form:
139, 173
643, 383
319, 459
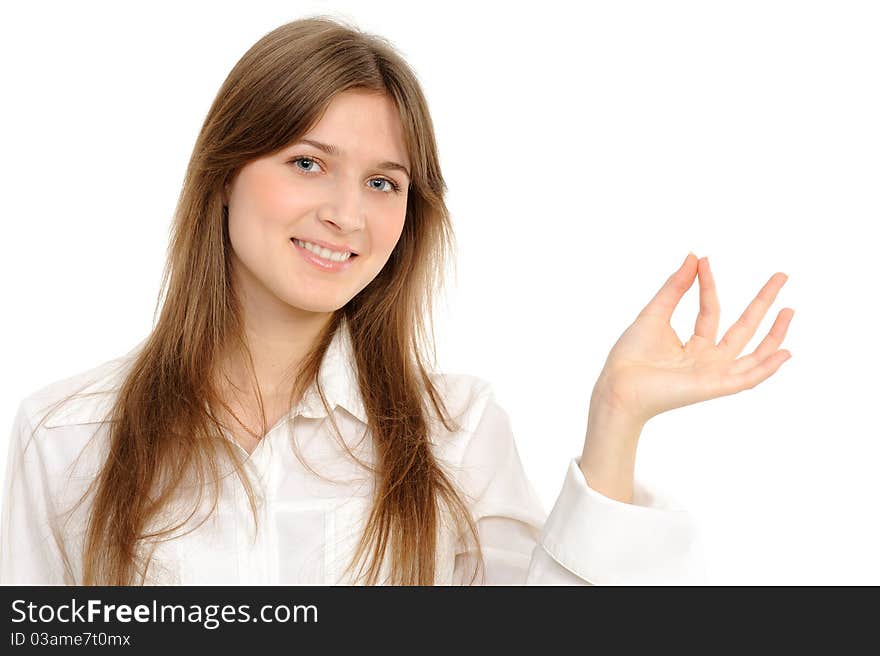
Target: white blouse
308, 527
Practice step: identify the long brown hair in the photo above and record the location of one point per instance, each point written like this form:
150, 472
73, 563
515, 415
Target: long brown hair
162, 430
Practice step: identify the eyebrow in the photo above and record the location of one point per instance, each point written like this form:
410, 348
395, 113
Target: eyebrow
336, 152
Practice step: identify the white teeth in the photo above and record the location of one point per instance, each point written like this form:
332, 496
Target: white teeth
325, 253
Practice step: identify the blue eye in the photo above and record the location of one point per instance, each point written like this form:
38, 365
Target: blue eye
303, 159
393, 186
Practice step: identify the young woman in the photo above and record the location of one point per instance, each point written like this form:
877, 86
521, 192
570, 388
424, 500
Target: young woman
281, 424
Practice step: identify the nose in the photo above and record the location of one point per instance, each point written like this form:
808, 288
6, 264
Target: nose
345, 208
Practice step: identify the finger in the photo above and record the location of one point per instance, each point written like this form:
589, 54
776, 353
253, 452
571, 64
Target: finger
733, 383
665, 301
710, 309
769, 344
743, 330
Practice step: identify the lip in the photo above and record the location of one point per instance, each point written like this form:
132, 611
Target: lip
320, 263
336, 248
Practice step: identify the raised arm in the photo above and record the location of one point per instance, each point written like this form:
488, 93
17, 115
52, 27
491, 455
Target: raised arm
587, 538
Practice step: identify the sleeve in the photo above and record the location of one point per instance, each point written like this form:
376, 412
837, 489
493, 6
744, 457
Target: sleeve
587, 539
29, 554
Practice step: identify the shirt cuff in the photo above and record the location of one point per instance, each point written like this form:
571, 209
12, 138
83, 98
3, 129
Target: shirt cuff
609, 542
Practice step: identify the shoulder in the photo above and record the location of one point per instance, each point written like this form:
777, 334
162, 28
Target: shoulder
485, 426
83, 398
465, 396
484, 456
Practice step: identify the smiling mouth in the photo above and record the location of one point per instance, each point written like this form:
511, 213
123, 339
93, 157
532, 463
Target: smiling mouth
302, 244
332, 261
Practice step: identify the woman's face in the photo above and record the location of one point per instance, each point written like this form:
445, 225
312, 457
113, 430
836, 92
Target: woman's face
346, 200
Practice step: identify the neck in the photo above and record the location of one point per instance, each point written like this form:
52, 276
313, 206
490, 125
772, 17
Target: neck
278, 336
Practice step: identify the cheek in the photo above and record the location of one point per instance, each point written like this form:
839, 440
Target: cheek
264, 214
387, 233
278, 199
245, 233
269, 193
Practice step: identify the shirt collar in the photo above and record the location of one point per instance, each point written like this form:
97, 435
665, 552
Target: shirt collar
337, 375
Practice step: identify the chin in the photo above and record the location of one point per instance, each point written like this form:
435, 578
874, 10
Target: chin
316, 305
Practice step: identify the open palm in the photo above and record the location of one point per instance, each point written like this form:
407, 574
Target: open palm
649, 370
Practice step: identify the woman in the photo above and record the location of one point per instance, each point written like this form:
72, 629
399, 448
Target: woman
280, 423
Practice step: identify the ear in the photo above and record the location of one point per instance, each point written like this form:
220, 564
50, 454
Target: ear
224, 194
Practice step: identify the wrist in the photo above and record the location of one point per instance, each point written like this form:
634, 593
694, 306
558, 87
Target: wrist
609, 455
608, 422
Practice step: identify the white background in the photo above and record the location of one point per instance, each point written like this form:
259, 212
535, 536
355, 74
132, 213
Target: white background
587, 148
